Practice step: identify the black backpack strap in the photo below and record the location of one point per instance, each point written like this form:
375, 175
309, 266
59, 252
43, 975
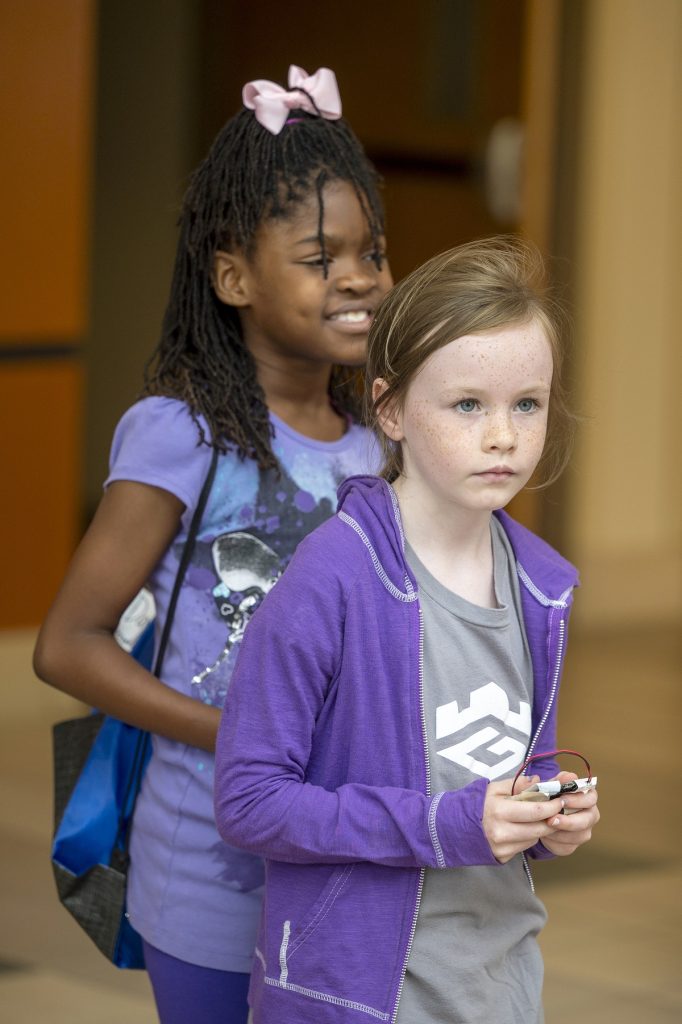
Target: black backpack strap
187, 552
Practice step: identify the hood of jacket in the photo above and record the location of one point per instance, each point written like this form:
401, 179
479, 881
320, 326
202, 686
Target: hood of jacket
371, 506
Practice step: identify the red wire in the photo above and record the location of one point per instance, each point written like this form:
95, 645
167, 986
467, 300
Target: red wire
551, 753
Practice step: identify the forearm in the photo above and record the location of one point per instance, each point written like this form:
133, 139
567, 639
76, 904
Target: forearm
271, 810
93, 668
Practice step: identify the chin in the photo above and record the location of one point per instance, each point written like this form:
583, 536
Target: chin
353, 360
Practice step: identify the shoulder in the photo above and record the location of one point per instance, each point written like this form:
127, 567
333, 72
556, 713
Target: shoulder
363, 436
157, 442
366, 449
154, 417
324, 568
333, 550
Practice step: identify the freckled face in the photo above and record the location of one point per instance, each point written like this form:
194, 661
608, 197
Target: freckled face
474, 420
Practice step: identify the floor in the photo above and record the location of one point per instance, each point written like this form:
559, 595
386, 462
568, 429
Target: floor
613, 944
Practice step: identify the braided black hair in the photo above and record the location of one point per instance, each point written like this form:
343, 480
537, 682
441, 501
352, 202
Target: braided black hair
249, 175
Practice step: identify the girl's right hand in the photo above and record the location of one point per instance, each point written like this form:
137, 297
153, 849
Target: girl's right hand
512, 826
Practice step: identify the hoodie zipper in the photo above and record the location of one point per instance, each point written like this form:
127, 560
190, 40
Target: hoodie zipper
555, 684
548, 707
411, 595
422, 871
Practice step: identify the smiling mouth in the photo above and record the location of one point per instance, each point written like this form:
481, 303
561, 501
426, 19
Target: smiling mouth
352, 316
355, 323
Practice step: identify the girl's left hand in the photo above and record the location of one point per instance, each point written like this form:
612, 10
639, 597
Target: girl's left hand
572, 830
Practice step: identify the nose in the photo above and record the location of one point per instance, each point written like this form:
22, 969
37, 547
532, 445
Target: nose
500, 433
358, 278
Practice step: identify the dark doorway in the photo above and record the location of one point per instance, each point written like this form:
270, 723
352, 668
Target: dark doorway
421, 84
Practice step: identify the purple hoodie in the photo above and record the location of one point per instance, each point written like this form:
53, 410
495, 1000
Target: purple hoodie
322, 767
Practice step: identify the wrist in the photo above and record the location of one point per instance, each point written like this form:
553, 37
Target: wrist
459, 824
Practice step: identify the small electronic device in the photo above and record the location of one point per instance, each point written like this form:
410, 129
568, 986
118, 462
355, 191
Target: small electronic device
553, 789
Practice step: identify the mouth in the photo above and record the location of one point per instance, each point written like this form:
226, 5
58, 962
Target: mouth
497, 474
353, 320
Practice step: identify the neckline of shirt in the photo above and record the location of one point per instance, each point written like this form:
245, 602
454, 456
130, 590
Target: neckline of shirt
282, 428
452, 602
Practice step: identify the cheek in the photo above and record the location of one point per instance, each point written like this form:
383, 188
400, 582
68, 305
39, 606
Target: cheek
535, 434
423, 426
438, 436
385, 280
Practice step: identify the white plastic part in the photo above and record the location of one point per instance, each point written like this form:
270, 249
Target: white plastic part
551, 789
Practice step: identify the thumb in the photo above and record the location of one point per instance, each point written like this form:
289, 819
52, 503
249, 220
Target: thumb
524, 782
565, 776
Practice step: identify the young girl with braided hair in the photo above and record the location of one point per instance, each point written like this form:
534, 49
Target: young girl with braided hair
280, 267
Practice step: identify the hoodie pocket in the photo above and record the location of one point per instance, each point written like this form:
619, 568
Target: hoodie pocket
300, 932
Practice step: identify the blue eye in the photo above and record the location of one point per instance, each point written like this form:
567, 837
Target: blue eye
527, 405
467, 405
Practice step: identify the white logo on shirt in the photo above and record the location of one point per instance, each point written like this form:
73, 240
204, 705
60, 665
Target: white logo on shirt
487, 701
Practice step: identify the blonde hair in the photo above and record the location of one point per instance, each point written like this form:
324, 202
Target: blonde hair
477, 287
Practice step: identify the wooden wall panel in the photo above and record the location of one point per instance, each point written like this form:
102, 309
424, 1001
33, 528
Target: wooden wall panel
46, 99
40, 427
45, 114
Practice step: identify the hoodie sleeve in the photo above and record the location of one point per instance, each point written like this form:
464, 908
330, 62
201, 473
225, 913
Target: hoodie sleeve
290, 656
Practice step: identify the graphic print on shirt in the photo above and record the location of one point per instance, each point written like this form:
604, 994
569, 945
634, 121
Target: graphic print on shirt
242, 563
504, 743
237, 870
247, 569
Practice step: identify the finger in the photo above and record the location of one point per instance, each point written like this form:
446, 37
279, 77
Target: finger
565, 776
577, 822
559, 849
581, 801
524, 781
506, 835
566, 842
528, 812
572, 839
504, 787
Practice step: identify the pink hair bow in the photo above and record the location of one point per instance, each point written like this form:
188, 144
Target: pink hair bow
272, 104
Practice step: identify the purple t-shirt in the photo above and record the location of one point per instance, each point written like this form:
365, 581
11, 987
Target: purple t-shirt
190, 894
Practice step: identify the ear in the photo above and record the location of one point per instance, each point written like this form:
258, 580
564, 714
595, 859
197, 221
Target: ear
231, 278
388, 414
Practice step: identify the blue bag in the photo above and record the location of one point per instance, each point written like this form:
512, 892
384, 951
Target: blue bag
99, 763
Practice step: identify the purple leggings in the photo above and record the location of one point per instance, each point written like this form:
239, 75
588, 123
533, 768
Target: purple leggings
185, 992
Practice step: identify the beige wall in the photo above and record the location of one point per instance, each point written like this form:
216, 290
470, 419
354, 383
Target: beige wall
624, 521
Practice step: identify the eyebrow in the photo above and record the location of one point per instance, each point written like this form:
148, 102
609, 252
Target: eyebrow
331, 240
467, 389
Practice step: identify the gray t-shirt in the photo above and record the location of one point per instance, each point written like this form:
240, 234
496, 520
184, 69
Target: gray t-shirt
475, 958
